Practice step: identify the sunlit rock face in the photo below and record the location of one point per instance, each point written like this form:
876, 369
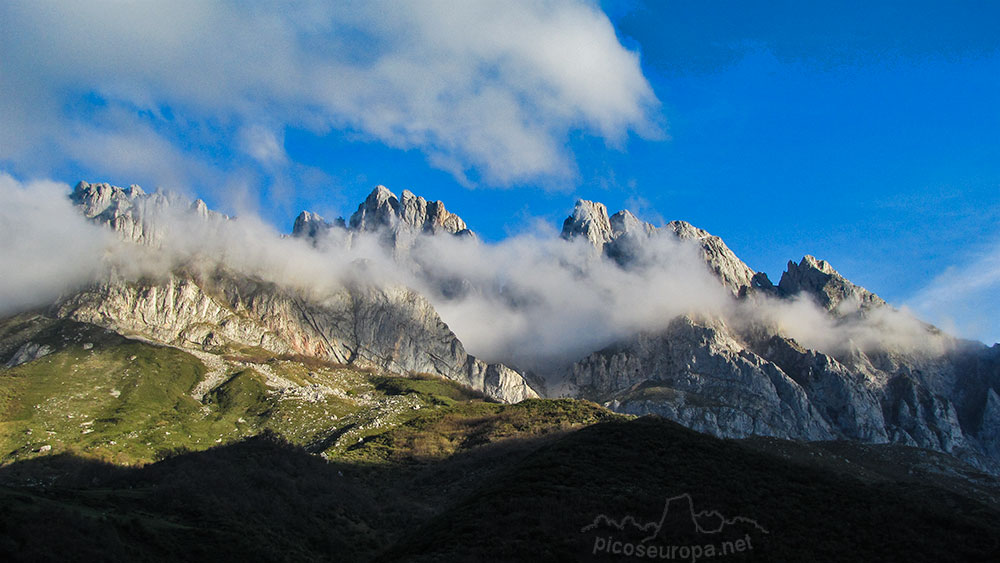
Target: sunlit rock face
392, 328
589, 220
400, 220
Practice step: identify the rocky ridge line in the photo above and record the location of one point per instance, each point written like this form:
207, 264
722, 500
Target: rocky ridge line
390, 328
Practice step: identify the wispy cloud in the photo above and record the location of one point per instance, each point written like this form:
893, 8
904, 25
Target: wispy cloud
963, 298
489, 91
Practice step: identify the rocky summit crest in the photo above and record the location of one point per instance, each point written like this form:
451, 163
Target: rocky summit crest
398, 221
382, 210
135, 215
826, 286
313, 225
590, 221
621, 235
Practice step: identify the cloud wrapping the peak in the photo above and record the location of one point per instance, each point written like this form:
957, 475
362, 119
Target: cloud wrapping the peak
47, 247
489, 91
535, 301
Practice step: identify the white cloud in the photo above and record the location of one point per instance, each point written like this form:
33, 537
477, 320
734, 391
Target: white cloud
47, 246
263, 145
536, 300
488, 90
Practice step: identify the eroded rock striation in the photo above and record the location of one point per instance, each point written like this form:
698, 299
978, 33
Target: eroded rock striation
392, 329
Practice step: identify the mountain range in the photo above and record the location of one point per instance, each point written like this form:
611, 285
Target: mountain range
201, 329
725, 371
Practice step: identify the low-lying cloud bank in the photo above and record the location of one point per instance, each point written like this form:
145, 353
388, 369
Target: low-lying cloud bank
534, 300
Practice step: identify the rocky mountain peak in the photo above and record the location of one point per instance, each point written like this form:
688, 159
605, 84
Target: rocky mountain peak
383, 210
686, 231
376, 211
825, 285
131, 212
95, 199
125, 210
428, 216
590, 220
313, 225
200, 207
621, 237
817, 264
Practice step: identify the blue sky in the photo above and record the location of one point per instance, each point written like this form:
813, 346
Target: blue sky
865, 133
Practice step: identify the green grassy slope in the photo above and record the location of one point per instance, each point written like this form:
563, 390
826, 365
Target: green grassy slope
523, 499
102, 395
290, 459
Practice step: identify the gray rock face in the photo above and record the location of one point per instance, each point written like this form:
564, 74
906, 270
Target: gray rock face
989, 424
392, 329
844, 398
717, 379
624, 223
29, 352
917, 417
96, 199
828, 288
733, 273
127, 211
629, 234
695, 373
399, 222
